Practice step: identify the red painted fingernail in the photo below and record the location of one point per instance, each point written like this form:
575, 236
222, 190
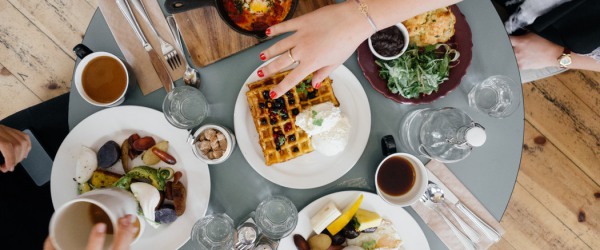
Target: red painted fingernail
318, 85
263, 57
272, 94
260, 73
268, 32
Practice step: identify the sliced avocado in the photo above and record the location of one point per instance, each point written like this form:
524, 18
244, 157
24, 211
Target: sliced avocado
142, 172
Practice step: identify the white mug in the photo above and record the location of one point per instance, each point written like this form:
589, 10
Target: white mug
72, 223
87, 56
416, 191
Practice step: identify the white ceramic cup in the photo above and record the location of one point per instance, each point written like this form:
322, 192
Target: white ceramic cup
86, 57
72, 223
416, 191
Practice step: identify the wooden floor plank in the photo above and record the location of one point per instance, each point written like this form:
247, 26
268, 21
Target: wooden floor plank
14, 96
560, 185
586, 85
570, 124
63, 21
31, 56
529, 225
93, 3
503, 244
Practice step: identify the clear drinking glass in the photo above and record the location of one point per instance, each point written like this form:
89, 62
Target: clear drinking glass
185, 107
214, 232
276, 217
495, 97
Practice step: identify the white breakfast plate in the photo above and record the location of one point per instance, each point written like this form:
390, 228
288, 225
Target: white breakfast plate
407, 228
118, 124
313, 169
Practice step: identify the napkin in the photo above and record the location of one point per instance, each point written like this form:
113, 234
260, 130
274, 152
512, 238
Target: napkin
437, 224
135, 55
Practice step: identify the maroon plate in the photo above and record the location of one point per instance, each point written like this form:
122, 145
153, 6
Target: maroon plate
461, 41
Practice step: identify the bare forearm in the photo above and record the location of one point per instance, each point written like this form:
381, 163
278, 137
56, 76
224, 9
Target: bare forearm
584, 62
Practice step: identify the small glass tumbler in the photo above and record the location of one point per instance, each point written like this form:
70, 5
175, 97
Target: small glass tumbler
276, 217
214, 232
185, 107
494, 96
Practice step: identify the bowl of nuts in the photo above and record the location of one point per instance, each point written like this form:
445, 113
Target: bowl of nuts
213, 144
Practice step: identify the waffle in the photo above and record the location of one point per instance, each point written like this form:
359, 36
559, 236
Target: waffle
279, 137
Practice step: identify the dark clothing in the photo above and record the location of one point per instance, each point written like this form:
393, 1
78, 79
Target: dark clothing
25, 208
574, 25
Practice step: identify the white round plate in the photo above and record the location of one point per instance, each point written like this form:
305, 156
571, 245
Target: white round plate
407, 228
118, 124
313, 169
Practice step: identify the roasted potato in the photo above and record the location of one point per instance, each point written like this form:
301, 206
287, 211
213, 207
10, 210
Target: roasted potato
150, 158
108, 154
103, 179
125, 155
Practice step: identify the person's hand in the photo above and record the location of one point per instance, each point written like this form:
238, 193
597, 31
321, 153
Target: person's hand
124, 236
535, 52
322, 40
14, 145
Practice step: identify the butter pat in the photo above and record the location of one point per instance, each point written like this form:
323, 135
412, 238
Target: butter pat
324, 217
367, 219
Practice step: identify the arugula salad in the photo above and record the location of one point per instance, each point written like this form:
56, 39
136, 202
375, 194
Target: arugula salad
420, 70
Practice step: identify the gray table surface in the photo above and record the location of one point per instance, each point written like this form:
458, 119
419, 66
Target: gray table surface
489, 172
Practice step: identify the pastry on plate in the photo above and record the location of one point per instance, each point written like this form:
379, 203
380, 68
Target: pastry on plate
279, 137
432, 27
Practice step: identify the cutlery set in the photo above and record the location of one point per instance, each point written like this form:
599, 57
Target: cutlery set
171, 57
191, 76
436, 199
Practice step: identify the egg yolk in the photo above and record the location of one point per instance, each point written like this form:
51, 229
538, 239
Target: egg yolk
259, 6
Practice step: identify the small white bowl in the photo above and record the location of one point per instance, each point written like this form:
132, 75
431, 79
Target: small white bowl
404, 32
229, 136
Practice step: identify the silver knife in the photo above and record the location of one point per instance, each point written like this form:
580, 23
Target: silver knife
157, 63
487, 230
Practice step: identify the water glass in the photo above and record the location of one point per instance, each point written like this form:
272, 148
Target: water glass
185, 107
494, 96
214, 232
276, 217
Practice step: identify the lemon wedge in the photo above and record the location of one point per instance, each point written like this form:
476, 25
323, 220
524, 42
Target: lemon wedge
339, 223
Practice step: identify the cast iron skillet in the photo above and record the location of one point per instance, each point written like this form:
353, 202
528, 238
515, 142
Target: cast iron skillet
177, 6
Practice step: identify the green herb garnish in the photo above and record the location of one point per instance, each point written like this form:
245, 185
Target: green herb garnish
314, 114
418, 70
369, 245
318, 122
239, 5
281, 140
301, 88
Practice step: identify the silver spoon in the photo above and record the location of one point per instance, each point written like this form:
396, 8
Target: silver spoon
436, 195
191, 76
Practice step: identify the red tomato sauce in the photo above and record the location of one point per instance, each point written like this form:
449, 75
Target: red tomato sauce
257, 15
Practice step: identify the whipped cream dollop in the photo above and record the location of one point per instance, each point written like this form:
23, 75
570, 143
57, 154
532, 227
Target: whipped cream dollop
328, 128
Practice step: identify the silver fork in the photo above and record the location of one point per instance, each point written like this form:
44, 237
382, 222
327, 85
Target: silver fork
467, 243
168, 51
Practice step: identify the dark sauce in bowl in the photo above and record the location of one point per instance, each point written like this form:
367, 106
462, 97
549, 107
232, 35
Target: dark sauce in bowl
388, 42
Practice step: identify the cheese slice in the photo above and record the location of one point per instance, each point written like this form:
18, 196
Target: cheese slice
367, 219
324, 217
